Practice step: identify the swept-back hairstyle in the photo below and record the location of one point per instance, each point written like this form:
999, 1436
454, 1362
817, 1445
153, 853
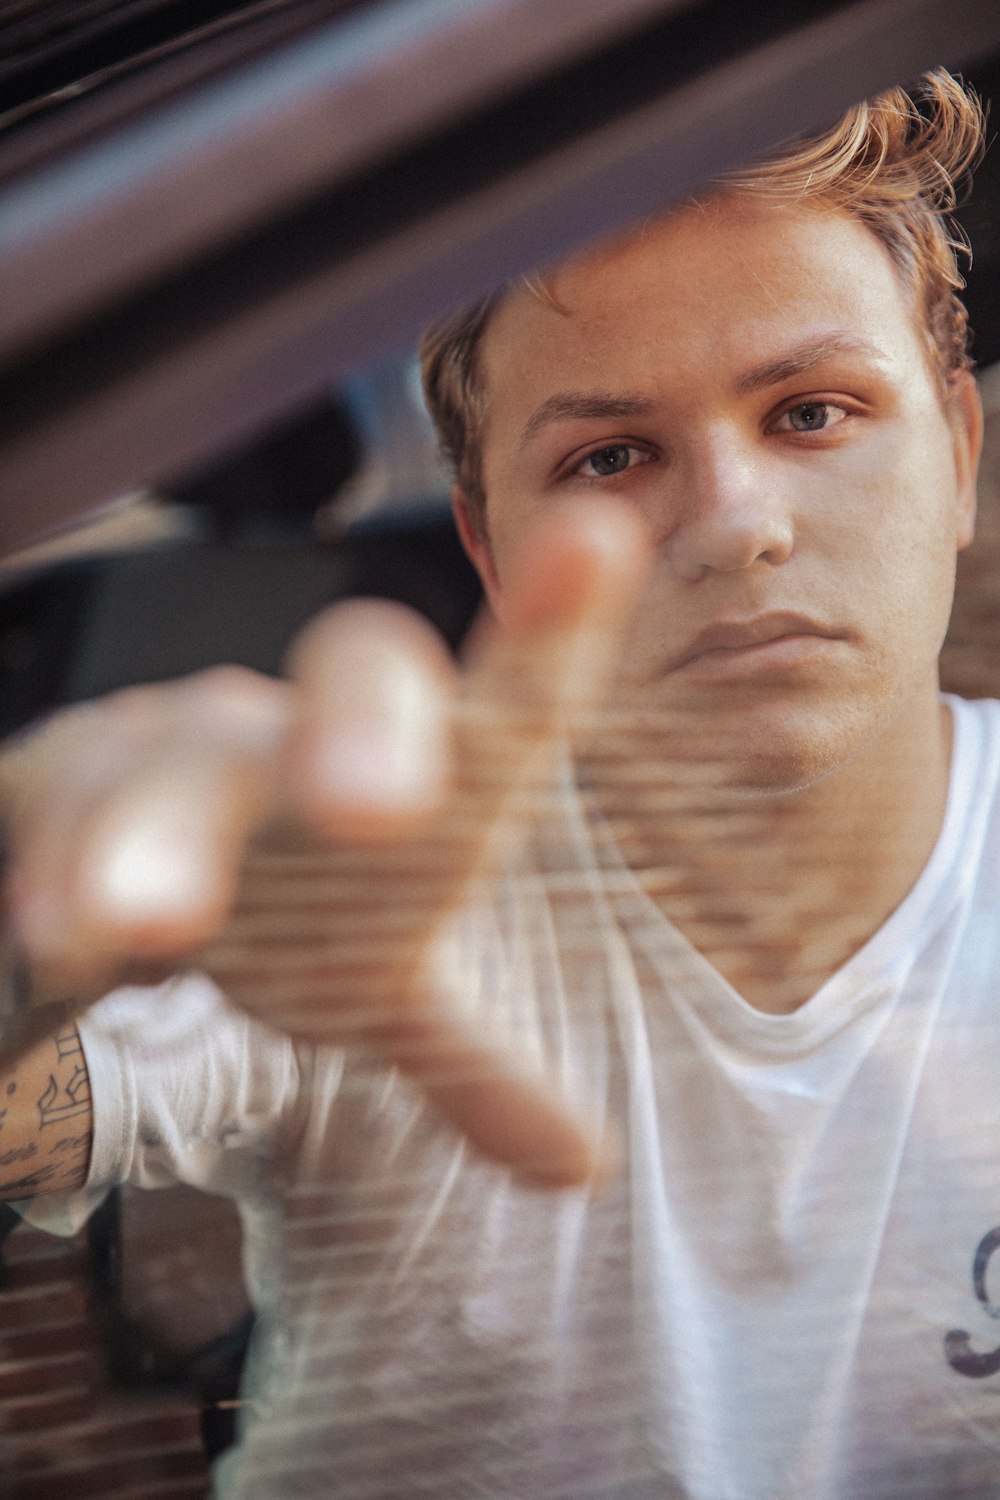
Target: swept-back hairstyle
895, 163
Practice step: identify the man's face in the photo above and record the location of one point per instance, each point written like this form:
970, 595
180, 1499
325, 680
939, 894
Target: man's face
749, 376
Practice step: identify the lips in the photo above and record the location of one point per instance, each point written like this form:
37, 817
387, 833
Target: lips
745, 639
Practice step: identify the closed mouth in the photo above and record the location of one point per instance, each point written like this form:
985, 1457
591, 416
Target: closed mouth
750, 638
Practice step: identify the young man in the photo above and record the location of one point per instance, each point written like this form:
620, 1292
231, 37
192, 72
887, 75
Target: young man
745, 917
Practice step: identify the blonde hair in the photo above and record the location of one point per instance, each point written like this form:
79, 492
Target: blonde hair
896, 163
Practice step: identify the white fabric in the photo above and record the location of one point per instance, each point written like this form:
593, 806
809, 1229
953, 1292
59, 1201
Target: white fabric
761, 1307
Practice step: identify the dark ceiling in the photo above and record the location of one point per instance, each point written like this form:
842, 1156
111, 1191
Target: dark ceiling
68, 68
172, 289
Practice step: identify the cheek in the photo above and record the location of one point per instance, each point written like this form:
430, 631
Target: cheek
907, 545
509, 520
658, 626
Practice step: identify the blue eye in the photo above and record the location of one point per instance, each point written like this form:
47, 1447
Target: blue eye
614, 459
813, 416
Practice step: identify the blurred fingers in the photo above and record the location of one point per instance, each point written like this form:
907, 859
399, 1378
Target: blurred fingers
128, 835
522, 1122
369, 757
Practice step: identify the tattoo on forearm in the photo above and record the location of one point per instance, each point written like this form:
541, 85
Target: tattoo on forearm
10, 1090
68, 1043
54, 1085
70, 1096
19, 1153
71, 1143
32, 1182
57, 1103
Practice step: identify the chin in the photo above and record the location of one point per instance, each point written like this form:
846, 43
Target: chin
758, 741
780, 749
773, 774
789, 752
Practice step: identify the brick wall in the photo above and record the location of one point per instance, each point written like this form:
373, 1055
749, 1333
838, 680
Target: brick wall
67, 1431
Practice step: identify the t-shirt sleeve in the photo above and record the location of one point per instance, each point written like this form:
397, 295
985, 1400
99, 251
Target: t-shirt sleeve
185, 1088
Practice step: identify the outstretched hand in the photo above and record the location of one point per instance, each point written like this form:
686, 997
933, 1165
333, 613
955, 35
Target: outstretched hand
305, 841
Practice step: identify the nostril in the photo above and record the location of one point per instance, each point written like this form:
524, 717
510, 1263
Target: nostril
696, 551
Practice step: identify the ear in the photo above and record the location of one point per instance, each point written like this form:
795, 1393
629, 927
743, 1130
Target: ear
477, 548
965, 415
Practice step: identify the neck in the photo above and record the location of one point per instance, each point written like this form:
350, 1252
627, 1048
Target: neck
779, 890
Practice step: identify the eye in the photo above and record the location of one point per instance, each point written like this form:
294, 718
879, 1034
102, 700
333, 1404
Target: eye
601, 463
810, 416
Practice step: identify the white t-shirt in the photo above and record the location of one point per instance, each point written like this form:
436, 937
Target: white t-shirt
790, 1292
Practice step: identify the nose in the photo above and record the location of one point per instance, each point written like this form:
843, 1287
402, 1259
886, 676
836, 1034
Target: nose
730, 511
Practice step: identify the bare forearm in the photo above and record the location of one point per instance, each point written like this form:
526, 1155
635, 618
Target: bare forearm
45, 1113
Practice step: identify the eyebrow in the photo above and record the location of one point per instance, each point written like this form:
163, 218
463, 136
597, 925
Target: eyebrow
803, 358
566, 406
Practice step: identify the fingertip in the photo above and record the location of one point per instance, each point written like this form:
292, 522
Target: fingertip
585, 554
573, 1155
333, 649
365, 783
371, 758
152, 871
610, 528
519, 1122
150, 875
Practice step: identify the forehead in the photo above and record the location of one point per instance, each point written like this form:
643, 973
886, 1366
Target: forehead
688, 298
